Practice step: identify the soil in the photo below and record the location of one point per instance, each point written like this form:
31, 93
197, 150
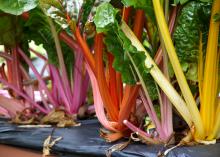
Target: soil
9, 151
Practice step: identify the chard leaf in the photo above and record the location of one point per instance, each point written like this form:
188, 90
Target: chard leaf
184, 1
180, 1
121, 62
38, 30
17, 7
9, 33
86, 10
105, 17
120, 46
107, 13
146, 5
193, 19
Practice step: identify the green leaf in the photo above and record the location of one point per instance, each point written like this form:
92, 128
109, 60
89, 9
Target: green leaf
105, 17
11, 28
146, 5
17, 7
121, 62
193, 19
134, 3
86, 10
7, 32
38, 30
180, 1
184, 1
120, 46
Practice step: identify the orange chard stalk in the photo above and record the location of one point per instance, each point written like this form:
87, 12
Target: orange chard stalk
100, 75
120, 87
86, 51
126, 14
131, 92
128, 102
113, 81
139, 24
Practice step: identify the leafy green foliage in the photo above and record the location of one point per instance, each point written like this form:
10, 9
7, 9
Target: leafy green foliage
38, 30
120, 46
187, 33
15, 30
105, 17
10, 30
146, 5
184, 1
17, 7
105, 21
121, 62
180, 1
86, 10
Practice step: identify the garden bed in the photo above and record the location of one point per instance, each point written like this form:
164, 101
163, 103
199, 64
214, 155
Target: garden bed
84, 140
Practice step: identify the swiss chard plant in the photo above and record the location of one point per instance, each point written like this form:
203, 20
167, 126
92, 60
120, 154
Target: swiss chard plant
68, 76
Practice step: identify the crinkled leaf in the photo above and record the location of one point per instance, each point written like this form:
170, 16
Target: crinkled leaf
17, 7
193, 19
105, 17
184, 1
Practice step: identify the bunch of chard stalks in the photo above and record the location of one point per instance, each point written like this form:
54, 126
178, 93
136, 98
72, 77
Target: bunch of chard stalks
113, 102
201, 122
204, 123
163, 126
68, 94
18, 94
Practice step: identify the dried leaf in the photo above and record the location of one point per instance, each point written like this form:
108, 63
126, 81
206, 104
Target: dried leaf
60, 118
117, 147
48, 144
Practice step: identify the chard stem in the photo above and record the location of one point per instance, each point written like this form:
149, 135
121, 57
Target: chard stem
158, 76
65, 79
191, 104
209, 88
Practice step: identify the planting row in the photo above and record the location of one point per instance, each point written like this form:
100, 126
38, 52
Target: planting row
134, 64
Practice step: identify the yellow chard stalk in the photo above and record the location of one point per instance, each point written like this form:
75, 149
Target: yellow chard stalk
210, 83
216, 131
191, 104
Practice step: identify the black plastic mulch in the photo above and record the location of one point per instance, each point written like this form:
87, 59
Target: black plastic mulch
84, 141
